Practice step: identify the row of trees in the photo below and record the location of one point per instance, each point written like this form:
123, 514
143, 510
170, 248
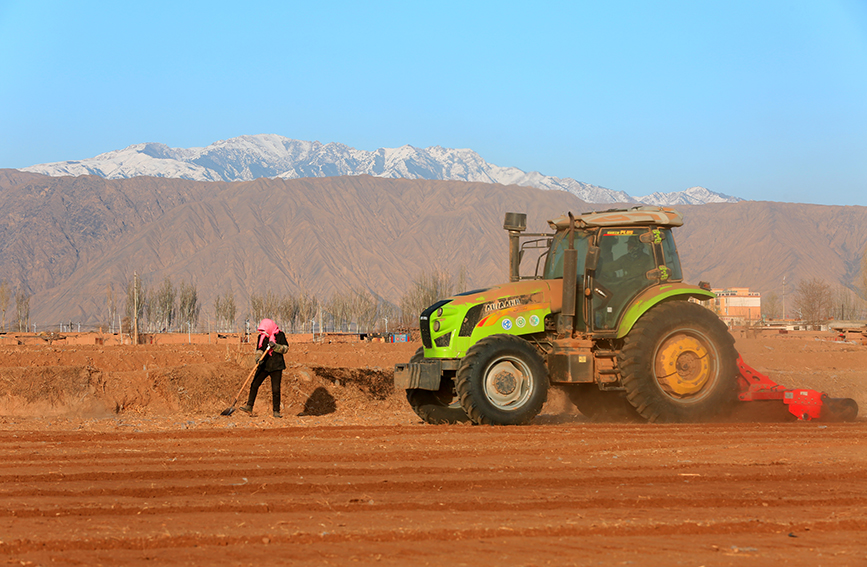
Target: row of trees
355, 310
177, 308
814, 301
167, 308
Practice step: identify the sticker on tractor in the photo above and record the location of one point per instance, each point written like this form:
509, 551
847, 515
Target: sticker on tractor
507, 324
520, 322
534, 320
618, 233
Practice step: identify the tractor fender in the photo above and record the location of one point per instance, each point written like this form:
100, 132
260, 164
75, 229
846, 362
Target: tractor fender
645, 300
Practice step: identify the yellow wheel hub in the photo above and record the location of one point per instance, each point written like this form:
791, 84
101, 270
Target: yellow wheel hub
683, 365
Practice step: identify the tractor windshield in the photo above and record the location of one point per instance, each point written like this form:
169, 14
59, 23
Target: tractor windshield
554, 262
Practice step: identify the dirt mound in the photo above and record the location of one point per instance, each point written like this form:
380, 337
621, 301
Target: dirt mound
92, 382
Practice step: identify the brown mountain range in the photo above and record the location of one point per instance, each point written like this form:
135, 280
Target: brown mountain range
65, 240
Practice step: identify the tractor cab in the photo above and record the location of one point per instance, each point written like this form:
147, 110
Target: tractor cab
619, 255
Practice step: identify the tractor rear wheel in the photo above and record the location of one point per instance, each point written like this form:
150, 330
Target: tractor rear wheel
437, 407
679, 364
601, 405
502, 381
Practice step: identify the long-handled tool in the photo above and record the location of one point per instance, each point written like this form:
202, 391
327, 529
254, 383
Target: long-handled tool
231, 409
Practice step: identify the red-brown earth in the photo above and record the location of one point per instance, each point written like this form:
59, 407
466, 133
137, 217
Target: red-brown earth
118, 455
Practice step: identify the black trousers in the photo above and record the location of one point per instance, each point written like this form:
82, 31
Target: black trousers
276, 378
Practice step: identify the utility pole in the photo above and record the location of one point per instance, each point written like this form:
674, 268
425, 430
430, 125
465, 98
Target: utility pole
784, 298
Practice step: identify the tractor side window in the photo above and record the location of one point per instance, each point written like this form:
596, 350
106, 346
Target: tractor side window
560, 243
669, 251
624, 262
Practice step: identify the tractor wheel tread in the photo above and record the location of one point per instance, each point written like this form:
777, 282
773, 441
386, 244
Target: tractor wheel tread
429, 405
637, 365
470, 386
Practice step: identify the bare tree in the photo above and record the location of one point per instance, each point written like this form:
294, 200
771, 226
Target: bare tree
362, 307
287, 310
136, 298
22, 310
5, 296
225, 311
772, 307
164, 306
338, 306
844, 304
265, 306
257, 306
111, 306
813, 300
308, 307
188, 305
429, 287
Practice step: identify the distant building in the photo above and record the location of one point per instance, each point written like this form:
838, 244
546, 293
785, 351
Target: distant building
738, 305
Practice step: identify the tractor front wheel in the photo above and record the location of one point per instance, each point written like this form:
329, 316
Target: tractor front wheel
502, 381
437, 407
679, 364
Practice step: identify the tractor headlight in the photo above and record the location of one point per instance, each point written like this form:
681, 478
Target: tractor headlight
436, 325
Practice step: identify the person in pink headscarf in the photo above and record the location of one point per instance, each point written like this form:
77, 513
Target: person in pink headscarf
273, 341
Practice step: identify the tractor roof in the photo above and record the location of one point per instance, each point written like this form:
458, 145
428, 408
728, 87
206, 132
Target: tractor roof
660, 216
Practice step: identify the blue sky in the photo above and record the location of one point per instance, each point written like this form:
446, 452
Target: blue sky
765, 100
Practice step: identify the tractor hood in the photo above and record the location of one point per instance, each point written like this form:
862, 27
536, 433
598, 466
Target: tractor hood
450, 326
507, 297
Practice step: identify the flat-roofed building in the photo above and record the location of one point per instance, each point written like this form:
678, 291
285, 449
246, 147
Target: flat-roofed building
738, 304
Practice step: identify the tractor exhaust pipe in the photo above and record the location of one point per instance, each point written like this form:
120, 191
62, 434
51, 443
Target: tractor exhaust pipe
515, 223
570, 282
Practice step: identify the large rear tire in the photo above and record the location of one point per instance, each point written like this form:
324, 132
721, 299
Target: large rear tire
436, 407
679, 364
502, 381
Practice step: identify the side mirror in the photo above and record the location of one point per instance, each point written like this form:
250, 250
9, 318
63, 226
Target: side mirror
592, 258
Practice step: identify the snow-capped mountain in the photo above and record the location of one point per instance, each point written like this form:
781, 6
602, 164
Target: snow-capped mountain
692, 196
268, 155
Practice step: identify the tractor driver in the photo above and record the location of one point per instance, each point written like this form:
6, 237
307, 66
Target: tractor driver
635, 263
620, 274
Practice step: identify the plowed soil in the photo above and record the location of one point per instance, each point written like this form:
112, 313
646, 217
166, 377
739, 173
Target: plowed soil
118, 456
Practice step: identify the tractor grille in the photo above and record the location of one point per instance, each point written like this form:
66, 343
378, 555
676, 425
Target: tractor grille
471, 320
424, 322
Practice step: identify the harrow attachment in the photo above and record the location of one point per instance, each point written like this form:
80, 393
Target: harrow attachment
804, 404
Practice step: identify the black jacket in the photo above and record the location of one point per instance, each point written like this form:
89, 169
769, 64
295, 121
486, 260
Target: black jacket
274, 360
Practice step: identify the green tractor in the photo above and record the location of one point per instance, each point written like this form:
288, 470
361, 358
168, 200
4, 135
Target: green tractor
608, 319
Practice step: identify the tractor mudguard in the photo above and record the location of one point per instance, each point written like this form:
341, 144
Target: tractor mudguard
655, 295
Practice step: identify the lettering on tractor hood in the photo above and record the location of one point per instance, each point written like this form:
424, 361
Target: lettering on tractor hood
505, 303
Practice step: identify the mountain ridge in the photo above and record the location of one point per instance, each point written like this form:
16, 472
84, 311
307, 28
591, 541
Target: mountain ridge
245, 158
